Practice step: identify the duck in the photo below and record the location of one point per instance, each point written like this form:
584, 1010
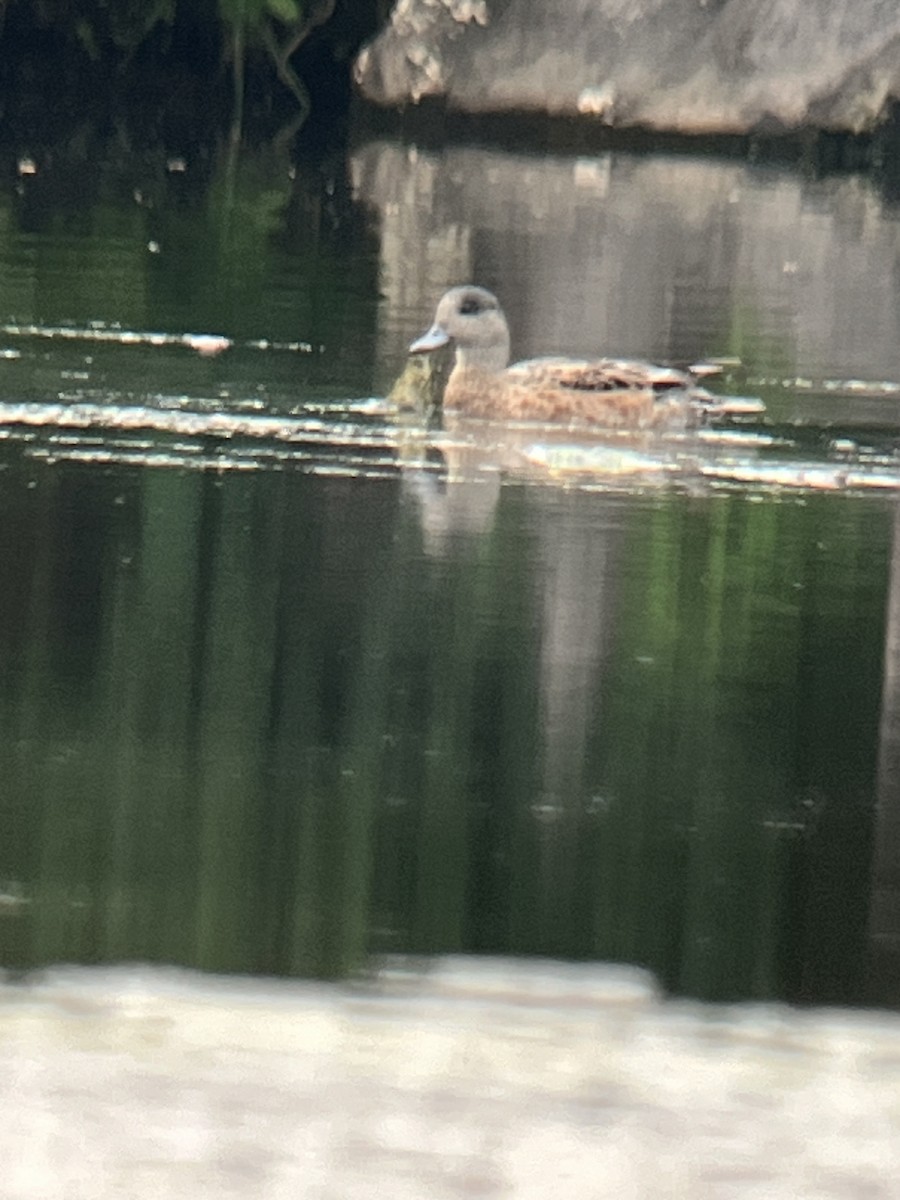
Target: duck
618, 394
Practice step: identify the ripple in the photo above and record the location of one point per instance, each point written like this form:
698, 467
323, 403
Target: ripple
358, 438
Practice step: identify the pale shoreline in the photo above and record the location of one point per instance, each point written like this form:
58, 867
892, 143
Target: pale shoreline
476, 1078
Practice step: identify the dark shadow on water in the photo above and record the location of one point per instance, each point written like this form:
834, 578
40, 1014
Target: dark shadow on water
432, 125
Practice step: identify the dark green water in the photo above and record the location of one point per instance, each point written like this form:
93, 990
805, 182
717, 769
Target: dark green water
274, 701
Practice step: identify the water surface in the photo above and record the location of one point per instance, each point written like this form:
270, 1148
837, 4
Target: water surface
288, 681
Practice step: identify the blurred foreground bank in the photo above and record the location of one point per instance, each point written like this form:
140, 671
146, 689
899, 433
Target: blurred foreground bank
467, 1078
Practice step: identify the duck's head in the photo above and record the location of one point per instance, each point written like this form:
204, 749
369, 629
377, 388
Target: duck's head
471, 318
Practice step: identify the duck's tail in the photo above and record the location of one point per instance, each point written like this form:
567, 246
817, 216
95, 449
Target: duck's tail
730, 406
715, 405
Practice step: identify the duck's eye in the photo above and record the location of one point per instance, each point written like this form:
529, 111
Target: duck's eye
469, 306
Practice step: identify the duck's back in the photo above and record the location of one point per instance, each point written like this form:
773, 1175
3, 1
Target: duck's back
615, 393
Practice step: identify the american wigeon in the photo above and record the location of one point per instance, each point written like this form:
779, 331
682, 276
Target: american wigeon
608, 392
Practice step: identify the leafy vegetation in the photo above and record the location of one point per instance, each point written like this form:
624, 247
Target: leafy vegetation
287, 56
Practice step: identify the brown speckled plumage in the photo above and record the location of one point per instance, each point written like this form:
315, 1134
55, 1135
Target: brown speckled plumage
613, 393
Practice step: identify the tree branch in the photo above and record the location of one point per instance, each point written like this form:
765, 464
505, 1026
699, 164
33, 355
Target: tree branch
282, 52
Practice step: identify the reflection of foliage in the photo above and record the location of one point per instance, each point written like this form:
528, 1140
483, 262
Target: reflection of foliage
760, 345
241, 247
250, 726
744, 622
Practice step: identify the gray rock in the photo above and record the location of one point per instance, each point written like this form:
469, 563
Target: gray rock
691, 66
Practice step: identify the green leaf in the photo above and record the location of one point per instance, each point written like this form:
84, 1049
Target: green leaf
288, 11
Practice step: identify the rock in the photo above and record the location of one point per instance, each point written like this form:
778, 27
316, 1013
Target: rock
687, 66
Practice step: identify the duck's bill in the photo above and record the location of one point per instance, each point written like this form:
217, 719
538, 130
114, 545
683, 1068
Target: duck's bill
432, 340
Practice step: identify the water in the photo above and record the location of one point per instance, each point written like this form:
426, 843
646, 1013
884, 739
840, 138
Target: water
286, 682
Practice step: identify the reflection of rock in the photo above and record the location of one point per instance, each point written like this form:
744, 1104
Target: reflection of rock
695, 67
669, 259
584, 253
